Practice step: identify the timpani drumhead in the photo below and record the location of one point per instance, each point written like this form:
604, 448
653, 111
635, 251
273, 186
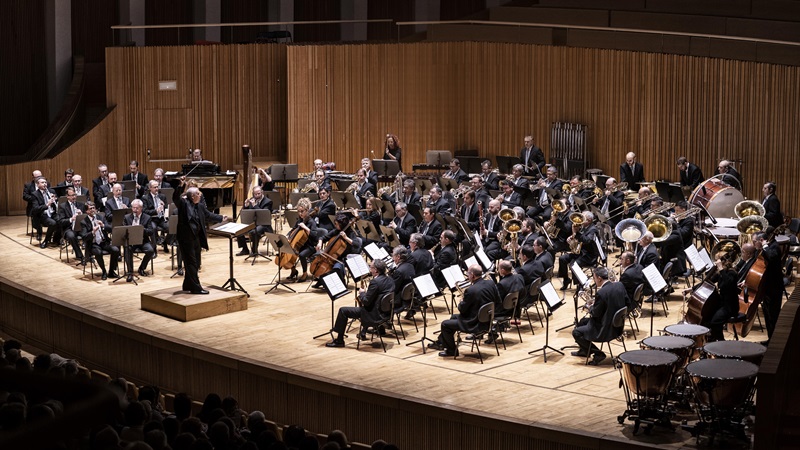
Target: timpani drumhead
647, 372
697, 333
723, 383
746, 351
723, 222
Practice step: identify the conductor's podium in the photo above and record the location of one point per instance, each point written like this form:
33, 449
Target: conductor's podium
180, 305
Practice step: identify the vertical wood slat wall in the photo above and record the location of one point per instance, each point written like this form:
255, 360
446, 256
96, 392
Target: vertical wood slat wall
487, 96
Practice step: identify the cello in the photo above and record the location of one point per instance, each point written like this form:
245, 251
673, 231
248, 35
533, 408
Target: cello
751, 294
297, 238
336, 247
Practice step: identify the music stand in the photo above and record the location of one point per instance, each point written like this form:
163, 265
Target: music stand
258, 217
167, 192
387, 211
118, 216
345, 200
282, 246
386, 167
423, 186
283, 173
336, 289
173, 231
129, 194
231, 230
506, 163
438, 158
368, 230
126, 237
426, 288
294, 197
277, 199
658, 286
128, 185
553, 303
669, 193
447, 184
391, 236
471, 164
583, 284
291, 216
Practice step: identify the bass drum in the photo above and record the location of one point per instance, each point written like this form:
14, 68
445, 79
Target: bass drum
720, 199
722, 383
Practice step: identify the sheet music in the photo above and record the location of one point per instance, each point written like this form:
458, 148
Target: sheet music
358, 267
478, 239
694, 258
334, 284
232, 227
425, 286
706, 257
550, 295
599, 248
376, 252
453, 276
583, 280
471, 261
654, 278
483, 258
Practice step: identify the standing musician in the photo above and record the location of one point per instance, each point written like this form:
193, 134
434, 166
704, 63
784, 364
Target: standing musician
772, 278
532, 157
45, 203
343, 230
402, 275
508, 197
492, 226
490, 179
691, 175
481, 292
421, 258
584, 233
729, 175
611, 200
631, 275
771, 204
444, 257
481, 194
325, 208
404, 224
746, 262
542, 210
369, 299
99, 182
155, 205
430, 228
392, 150
67, 212
364, 188
438, 204
728, 290
137, 218
455, 172
631, 171
372, 176
115, 202
140, 178
317, 166
257, 201
308, 249
599, 325
77, 183
97, 241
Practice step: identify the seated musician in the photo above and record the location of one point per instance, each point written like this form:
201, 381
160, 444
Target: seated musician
444, 257
136, 217
492, 226
364, 188
580, 190
409, 194
535, 261
45, 203
508, 198
771, 204
404, 224
598, 326
115, 202
105, 190
257, 201
158, 177
729, 175
369, 299
77, 183
420, 257
507, 282
584, 233
517, 178
560, 229
325, 208
647, 253
670, 250
67, 212
322, 181
140, 178
27, 195
155, 205
68, 174
265, 180
691, 175
490, 179
99, 182
455, 172
392, 150
372, 176
726, 279
308, 249
610, 204
631, 275
98, 240
532, 157
438, 204
481, 194
643, 203
543, 208
402, 274
343, 230
686, 224
746, 262
481, 292
430, 228
526, 235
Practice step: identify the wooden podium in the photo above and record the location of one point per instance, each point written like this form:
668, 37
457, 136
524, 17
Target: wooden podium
180, 305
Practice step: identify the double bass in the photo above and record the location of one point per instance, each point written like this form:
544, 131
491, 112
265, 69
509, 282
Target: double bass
336, 247
297, 238
751, 294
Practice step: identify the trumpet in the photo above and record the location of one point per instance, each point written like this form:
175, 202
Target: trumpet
312, 186
461, 191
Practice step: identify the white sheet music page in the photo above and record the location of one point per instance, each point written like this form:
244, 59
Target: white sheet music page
334, 284
483, 259
477, 235
453, 275
231, 227
471, 261
582, 279
425, 286
654, 278
376, 252
358, 267
599, 248
706, 258
694, 258
550, 294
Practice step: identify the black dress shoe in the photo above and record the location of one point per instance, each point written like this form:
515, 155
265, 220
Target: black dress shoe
362, 336
565, 286
39, 236
201, 292
597, 359
334, 343
491, 339
180, 272
435, 346
43, 244
104, 276
579, 354
447, 353
113, 274
243, 252
293, 274
410, 314
129, 279
142, 273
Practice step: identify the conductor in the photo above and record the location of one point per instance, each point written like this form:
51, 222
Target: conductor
191, 232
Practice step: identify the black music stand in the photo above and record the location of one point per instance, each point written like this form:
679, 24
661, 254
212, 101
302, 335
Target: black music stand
345, 200
336, 289
173, 231
583, 285
127, 185
231, 230
447, 184
426, 289
282, 246
257, 217
283, 172
118, 216
368, 230
506, 163
126, 237
659, 287
669, 193
391, 237
386, 167
438, 158
423, 186
553, 303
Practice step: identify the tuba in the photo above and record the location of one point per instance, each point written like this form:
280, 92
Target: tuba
748, 208
575, 245
630, 230
730, 250
506, 214
749, 225
660, 226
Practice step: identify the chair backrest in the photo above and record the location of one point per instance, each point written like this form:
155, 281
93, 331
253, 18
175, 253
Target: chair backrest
548, 274
510, 302
486, 313
408, 292
619, 317
386, 303
533, 289
667, 271
637, 295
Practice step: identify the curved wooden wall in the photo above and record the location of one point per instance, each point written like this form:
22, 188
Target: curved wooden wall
487, 96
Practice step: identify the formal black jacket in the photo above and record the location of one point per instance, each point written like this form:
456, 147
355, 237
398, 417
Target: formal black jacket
141, 180
111, 206
472, 217
648, 256
589, 252
326, 209
686, 230
694, 176
422, 260
405, 227
431, 231
149, 205
631, 278
773, 210
88, 237
440, 206
531, 157
97, 189
144, 220
27, 195
402, 275
508, 284
492, 181
370, 300
65, 214
445, 257
39, 206
609, 299
372, 177
670, 248
512, 200
482, 292
362, 193
626, 175
192, 220
414, 199
460, 176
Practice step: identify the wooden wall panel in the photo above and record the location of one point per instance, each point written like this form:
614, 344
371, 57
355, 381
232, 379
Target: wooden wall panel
342, 100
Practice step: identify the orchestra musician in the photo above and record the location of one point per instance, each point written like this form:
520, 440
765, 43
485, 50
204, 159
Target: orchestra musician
409, 194
134, 175
430, 228
507, 282
317, 166
105, 190
372, 176
438, 204
585, 233
44, 207
27, 195
364, 189
578, 190
490, 179
647, 253
543, 208
265, 180
68, 174
481, 292
532, 157
67, 213
155, 205
631, 171
772, 278
526, 235
536, 260
455, 172
115, 202
517, 173
77, 183
98, 241
508, 198
746, 262
322, 181
686, 230
726, 280
771, 204
158, 177
611, 200
729, 174
492, 226
325, 208
404, 224
369, 299
421, 258
598, 326
631, 275
352, 241
444, 257
402, 274
481, 194
307, 223
671, 249
99, 182
691, 175
392, 150
136, 217
257, 201
642, 205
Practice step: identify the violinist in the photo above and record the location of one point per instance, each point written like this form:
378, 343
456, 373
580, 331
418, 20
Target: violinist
726, 279
257, 201
307, 223
346, 235
324, 209
772, 278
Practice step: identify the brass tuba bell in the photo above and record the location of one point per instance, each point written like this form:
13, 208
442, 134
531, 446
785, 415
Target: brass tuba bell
660, 226
559, 206
748, 208
730, 250
630, 230
507, 214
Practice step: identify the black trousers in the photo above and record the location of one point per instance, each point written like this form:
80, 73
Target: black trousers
72, 238
145, 248
345, 313
579, 334
190, 250
98, 249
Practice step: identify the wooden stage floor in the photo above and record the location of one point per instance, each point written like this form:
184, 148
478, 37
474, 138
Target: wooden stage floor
279, 327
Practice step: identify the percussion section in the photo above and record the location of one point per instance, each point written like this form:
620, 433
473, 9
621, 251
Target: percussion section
645, 376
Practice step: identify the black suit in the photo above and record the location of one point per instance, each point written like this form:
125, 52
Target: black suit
440, 206
98, 243
326, 209
773, 283
149, 207
728, 305
588, 255
692, 176
443, 259
97, 189
65, 216
401, 276
111, 206
422, 260
431, 231
480, 293
361, 193
512, 200
773, 210
141, 181
671, 249
459, 176
146, 247
533, 269
413, 199
27, 196
626, 175
191, 236
47, 215
531, 157
372, 177
492, 181
405, 227
369, 311
506, 285
631, 278
542, 208
645, 257
598, 327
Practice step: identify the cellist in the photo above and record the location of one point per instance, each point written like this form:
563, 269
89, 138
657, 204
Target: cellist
307, 223
726, 279
352, 244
